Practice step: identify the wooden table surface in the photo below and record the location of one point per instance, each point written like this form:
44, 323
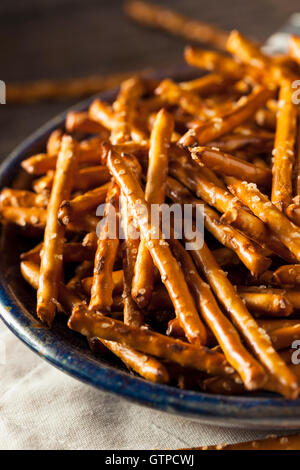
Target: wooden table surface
72, 38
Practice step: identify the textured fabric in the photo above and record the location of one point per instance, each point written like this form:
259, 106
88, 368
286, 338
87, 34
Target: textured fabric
43, 408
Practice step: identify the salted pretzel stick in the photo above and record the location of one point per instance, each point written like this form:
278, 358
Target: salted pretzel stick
125, 109
226, 164
249, 253
284, 337
214, 61
217, 197
257, 338
209, 84
266, 119
62, 89
155, 193
73, 253
270, 443
284, 152
287, 275
167, 265
89, 151
22, 198
174, 94
267, 304
237, 141
117, 280
293, 295
54, 142
248, 368
174, 23
85, 268
148, 342
261, 206
52, 256
102, 287
132, 313
103, 114
79, 121
147, 367
249, 53
86, 178
294, 48
220, 125
144, 365
82, 204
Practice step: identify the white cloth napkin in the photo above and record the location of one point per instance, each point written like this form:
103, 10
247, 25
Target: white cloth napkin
43, 408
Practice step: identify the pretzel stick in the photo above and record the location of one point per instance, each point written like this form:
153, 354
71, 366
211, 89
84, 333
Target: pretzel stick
218, 126
117, 280
225, 164
89, 151
225, 257
73, 253
168, 267
294, 48
132, 314
103, 114
143, 280
261, 206
148, 342
293, 295
85, 268
102, 287
267, 304
284, 337
287, 275
175, 23
257, 339
209, 84
62, 89
174, 94
54, 142
124, 107
83, 204
284, 148
275, 324
52, 256
214, 62
86, 178
22, 198
146, 366
245, 249
219, 198
79, 121
248, 368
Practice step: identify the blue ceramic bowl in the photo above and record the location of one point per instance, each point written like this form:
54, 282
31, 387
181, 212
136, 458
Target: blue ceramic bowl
68, 351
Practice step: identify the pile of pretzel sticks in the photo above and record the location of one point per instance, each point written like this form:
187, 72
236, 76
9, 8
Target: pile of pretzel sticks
221, 317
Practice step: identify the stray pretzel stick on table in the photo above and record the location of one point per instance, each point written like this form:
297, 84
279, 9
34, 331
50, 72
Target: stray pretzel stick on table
155, 193
168, 267
220, 125
62, 89
52, 256
284, 148
256, 338
251, 372
168, 20
102, 287
263, 208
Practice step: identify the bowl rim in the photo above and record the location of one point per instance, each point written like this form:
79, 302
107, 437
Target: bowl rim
259, 412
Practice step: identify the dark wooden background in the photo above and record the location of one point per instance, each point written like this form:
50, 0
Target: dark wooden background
72, 38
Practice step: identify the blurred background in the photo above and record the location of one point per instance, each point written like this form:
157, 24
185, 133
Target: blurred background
56, 39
